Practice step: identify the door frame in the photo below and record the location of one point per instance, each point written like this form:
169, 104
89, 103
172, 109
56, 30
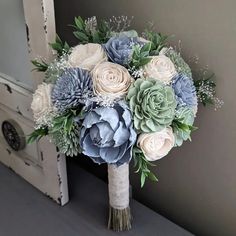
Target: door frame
47, 171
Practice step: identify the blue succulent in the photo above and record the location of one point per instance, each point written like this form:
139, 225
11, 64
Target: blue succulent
107, 134
72, 88
119, 49
185, 91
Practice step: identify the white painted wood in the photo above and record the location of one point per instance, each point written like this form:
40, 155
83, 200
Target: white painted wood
40, 27
39, 163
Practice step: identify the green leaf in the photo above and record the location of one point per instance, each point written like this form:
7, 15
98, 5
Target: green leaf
81, 36
36, 135
144, 61
152, 177
146, 48
79, 23
40, 66
143, 178
59, 46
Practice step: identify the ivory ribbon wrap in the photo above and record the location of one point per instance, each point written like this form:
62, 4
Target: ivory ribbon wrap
119, 214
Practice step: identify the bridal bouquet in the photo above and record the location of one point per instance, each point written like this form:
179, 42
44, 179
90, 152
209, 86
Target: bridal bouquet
116, 96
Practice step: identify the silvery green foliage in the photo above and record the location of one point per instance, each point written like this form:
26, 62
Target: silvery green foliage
185, 116
180, 65
107, 134
67, 142
185, 91
73, 88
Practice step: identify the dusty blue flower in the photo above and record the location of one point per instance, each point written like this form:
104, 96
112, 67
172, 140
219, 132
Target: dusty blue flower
185, 91
119, 49
72, 89
107, 134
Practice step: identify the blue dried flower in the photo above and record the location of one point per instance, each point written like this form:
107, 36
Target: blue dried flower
72, 89
185, 91
119, 49
107, 134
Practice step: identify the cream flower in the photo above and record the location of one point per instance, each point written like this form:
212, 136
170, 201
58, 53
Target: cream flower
42, 105
160, 68
87, 56
156, 145
111, 80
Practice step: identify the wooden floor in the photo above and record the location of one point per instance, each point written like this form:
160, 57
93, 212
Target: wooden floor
24, 211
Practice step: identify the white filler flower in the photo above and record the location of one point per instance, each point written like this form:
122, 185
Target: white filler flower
156, 145
87, 56
111, 80
160, 68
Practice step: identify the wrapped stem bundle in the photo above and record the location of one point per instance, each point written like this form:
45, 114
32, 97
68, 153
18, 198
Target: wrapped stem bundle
119, 209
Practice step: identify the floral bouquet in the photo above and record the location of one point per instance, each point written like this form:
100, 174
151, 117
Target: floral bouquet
117, 96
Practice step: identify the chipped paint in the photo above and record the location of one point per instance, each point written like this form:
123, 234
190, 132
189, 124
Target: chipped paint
9, 151
18, 111
41, 155
8, 88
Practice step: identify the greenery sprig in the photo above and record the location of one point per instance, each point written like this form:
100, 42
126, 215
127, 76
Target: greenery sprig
60, 46
99, 33
178, 125
205, 89
37, 134
158, 41
40, 66
143, 165
140, 56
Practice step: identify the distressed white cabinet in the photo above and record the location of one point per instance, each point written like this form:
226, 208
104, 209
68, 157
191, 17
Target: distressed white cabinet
26, 29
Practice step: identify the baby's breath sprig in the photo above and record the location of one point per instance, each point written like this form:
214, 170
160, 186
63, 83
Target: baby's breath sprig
206, 92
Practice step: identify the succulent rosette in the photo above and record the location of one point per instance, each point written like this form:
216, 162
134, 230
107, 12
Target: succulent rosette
107, 134
72, 88
152, 104
119, 49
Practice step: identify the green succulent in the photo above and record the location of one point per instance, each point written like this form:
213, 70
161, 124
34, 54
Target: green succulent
180, 65
182, 125
152, 104
67, 142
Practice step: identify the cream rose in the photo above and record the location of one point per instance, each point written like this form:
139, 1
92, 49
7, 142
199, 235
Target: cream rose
41, 104
156, 145
111, 80
160, 68
87, 56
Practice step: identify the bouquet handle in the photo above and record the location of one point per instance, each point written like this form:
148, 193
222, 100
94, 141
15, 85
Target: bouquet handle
118, 188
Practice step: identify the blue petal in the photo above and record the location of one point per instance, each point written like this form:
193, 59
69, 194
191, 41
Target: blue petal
90, 119
121, 135
110, 115
106, 134
89, 148
110, 154
126, 157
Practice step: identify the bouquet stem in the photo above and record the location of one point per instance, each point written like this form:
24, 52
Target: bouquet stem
119, 209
